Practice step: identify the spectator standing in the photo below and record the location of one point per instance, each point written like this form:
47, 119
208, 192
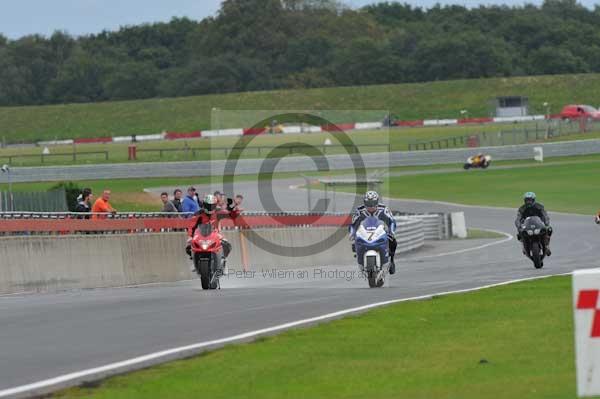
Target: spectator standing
221, 201
84, 203
103, 206
168, 206
237, 203
189, 203
177, 194
387, 120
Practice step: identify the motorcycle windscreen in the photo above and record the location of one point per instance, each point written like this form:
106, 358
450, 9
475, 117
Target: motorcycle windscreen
205, 229
534, 222
371, 223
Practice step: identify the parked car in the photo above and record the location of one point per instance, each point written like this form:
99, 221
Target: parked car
570, 112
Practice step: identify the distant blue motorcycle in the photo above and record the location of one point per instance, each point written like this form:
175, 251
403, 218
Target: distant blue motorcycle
372, 250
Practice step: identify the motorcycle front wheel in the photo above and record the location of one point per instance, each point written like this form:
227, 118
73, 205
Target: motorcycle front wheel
207, 278
536, 256
373, 281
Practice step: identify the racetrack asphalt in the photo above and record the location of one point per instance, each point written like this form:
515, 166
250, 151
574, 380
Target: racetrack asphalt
46, 335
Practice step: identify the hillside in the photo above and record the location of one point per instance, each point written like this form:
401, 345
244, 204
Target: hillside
256, 45
407, 101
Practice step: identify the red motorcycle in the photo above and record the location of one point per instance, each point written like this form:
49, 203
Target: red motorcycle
207, 252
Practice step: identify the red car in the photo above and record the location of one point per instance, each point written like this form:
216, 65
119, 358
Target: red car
580, 111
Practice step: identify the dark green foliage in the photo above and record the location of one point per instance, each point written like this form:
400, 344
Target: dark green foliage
72, 191
271, 44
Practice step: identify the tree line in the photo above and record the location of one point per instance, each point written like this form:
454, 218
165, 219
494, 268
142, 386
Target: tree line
275, 44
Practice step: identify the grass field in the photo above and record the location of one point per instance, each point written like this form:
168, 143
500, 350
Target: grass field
562, 184
565, 188
406, 101
220, 148
507, 342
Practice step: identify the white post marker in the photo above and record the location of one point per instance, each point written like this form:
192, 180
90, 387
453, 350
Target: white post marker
586, 288
459, 225
538, 154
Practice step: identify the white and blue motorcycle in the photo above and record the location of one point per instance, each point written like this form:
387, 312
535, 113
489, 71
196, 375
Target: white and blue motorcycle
372, 250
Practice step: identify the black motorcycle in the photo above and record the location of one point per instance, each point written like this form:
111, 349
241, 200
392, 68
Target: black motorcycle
532, 233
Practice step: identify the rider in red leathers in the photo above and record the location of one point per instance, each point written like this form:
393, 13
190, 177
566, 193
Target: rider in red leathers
208, 214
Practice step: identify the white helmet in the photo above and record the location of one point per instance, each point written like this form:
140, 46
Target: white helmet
209, 204
371, 199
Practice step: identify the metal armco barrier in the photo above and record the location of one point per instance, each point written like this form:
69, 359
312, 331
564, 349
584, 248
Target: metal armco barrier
33, 262
410, 234
54, 263
436, 226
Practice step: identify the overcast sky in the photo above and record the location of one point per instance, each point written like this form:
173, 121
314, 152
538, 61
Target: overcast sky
22, 17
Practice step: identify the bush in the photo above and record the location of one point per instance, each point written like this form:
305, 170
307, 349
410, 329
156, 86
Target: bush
72, 191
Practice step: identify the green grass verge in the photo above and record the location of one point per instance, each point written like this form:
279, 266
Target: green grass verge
566, 188
508, 342
490, 187
562, 184
220, 148
407, 101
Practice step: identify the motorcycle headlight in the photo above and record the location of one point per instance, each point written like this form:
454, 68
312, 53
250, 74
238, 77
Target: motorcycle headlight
205, 244
530, 232
537, 231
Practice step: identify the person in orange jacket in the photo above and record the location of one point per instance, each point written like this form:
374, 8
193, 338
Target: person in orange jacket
103, 206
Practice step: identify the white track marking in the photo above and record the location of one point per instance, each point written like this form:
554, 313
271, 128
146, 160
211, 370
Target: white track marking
507, 238
18, 294
113, 368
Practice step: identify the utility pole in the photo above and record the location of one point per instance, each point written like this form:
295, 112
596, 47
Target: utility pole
11, 200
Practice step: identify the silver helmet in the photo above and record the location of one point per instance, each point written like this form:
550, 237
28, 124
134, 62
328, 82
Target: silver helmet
371, 199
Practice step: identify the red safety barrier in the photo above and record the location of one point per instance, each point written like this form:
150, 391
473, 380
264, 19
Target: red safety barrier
409, 123
254, 130
156, 224
93, 140
338, 127
178, 136
475, 120
286, 221
473, 141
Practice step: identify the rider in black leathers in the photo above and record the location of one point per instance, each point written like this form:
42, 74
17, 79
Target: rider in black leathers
533, 208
